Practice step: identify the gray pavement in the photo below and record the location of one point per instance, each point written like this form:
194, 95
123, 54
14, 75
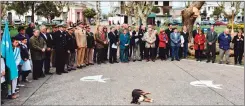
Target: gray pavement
169, 83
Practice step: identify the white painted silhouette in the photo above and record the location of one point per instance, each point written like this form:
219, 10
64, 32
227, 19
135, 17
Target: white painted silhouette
206, 83
94, 78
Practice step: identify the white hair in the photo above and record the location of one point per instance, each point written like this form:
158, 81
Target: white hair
42, 27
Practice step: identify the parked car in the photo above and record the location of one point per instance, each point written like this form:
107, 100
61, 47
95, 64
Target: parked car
41, 22
206, 22
57, 21
177, 22
218, 23
17, 22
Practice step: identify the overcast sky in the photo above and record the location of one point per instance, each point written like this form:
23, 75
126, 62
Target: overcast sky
105, 6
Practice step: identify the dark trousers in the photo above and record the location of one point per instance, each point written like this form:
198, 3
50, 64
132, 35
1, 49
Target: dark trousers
142, 48
113, 55
37, 69
168, 51
175, 52
156, 51
105, 53
162, 53
198, 54
181, 50
47, 62
150, 53
25, 74
211, 52
130, 51
95, 55
61, 58
100, 54
53, 58
238, 54
185, 49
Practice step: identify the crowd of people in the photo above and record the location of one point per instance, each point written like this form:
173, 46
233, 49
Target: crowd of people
69, 48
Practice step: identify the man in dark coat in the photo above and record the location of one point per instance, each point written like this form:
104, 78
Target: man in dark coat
61, 50
55, 28
47, 38
211, 39
113, 44
22, 35
29, 30
142, 43
37, 48
168, 32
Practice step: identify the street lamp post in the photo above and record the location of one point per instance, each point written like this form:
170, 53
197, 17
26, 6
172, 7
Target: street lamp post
232, 18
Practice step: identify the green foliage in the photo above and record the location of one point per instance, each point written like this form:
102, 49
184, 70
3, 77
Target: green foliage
89, 13
20, 7
104, 16
110, 15
217, 11
155, 9
47, 8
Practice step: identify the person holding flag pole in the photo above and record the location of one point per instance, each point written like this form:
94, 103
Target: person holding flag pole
11, 68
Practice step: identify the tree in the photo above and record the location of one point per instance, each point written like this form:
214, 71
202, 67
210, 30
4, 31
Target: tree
89, 13
143, 9
47, 9
104, 16
236, 4
98, 11
155, 9
128, 7
20, 7
217, 12
4, 6
190, 14
60, 6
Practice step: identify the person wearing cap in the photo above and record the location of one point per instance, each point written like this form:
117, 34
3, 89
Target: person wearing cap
22, 34
71, 44
61, 50
47, 38
54, 29
81, 40
90, 46
175, 44
168, 32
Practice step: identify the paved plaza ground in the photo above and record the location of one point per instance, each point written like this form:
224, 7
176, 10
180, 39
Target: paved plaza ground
169, 83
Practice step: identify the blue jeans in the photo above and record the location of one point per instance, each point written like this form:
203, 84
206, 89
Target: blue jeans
124, 55
185, 49
175, 52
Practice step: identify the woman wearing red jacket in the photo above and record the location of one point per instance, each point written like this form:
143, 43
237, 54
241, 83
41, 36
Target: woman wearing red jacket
163, 39
199, 44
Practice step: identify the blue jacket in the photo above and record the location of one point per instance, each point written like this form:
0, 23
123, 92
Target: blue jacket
175, 41
224, 41
124, 40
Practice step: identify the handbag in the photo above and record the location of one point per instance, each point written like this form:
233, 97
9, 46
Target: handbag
26, 65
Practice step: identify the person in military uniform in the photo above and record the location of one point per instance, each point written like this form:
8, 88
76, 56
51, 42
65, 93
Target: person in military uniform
81, 40
54, 29
71, 43
61, 50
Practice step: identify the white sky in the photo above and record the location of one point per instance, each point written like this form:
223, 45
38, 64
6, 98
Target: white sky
105, 6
